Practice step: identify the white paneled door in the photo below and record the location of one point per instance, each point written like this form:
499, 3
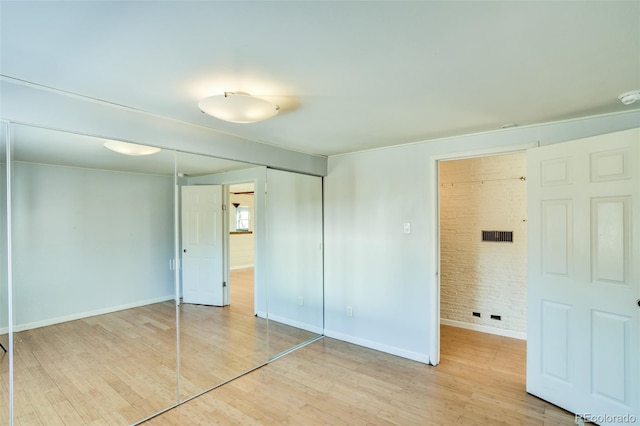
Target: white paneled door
202, 245
583, 349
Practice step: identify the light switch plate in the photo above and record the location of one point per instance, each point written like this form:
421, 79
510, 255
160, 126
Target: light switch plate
407, 228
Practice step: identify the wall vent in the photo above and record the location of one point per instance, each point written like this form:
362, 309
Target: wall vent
498, 236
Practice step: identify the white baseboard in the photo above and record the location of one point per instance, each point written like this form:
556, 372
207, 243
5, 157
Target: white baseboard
522, 335
415, 356
233, 268
297, 324
87, 314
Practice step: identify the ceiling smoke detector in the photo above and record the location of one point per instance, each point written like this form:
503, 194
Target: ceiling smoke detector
628, 98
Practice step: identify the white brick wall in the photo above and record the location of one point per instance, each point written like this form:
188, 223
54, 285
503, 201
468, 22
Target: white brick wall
487, 277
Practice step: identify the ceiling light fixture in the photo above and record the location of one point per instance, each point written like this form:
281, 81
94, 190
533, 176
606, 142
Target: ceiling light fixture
130, 148
628, 98
238, 107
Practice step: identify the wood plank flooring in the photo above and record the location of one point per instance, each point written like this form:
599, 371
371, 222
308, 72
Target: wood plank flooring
480, 381
119, 368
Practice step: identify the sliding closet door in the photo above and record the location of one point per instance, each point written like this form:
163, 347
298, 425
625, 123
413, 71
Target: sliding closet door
219, 339
4, 299
294, 259
93, 288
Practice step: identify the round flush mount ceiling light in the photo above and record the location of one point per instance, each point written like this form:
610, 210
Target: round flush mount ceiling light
238, 107
628, 98
130, 148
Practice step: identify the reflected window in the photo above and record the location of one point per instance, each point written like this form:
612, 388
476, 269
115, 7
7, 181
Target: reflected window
242, 218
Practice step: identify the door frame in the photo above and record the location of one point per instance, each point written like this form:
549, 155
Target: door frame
226, 267
227, 241
434, 190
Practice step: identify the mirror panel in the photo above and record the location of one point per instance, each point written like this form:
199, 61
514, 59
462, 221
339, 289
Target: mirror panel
4, 299
93, 291
97, 300
295, 277
220, 335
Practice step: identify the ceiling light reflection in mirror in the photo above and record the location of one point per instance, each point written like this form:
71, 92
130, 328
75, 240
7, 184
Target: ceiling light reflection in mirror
93, 296
127, 148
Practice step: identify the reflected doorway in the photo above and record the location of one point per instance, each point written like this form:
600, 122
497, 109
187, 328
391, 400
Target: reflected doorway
219, 342
241, 247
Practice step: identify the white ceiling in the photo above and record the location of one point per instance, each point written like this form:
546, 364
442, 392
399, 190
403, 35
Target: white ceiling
348, 75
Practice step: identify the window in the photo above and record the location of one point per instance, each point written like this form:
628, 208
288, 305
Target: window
242, 218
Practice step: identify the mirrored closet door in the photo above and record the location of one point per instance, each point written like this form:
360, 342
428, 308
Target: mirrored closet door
140, 279
4, 274
220, 335
93, 290
294, 259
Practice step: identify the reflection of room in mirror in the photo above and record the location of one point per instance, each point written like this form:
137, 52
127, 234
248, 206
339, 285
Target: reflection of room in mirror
241, 225
228, 339
218, 343
294, 224
4, 305
96, 286
89, 370
83, 366
93, 313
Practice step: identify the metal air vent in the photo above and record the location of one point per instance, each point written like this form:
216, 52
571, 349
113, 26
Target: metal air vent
498, 236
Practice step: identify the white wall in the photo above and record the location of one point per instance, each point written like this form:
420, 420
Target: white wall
370, 264
484, 193
88, 241
388, 277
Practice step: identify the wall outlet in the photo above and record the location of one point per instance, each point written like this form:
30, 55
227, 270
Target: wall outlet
406, 227
349, 311
300, 301
476, 314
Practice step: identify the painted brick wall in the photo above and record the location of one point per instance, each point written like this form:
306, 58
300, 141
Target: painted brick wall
488, 277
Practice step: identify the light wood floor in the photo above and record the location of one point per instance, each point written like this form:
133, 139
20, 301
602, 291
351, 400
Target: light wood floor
480, 381
119, 368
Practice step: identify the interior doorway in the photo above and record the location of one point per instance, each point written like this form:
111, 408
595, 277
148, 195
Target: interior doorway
241, 246
483, 245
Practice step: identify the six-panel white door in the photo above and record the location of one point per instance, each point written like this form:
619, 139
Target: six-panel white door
202, 245
583, 349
